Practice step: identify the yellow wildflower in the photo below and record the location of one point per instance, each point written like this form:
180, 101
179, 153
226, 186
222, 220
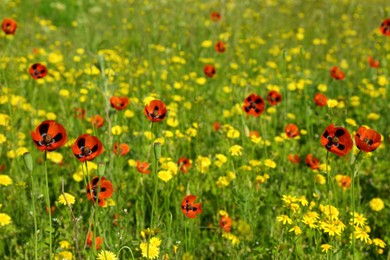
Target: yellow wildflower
325, 248
376, 204
5, 180
5, 219
69, 197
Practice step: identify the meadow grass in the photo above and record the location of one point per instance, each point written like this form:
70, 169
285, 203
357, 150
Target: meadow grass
146, 50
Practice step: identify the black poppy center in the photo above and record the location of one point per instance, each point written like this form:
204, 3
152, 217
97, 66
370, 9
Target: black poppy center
85, 150
155, 112
335, 140
368, 141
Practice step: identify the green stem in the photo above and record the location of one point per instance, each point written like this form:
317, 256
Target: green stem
35, 216
353, 203
48, 205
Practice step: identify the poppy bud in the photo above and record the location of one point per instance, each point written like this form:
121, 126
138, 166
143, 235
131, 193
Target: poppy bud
157, 150
101, 169
28, 161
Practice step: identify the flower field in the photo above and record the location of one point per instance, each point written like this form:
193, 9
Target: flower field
183, 129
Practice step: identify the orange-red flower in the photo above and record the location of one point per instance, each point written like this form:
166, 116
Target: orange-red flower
119, 103
79, 112
337, 140
9, 26
291, 130
274, 97
367, 140
344, 181
385, 27
320, 99
254, 133
209, 70
49, 136
97, 121
87, 148
97, 190
220, 47
294, 158
37, 71
254, 105
189, 208
217, 126
143, 167
184, 163
373, 63
155, 110
121, 149
312, 162
98, 241
215, 16
336, 73
225, 223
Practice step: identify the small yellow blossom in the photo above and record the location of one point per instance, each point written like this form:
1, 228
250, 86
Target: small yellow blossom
373, 116
284, 219
68, 197
270, 163
116, 130
297, 230
5, 219
149, 250
332, 103
106, 255
376, 204
64, 244
5, 180
236, 150
379, 242
325, 248
165, 175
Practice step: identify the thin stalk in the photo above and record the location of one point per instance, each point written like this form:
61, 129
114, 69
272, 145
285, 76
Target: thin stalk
34, 216
353, 204
48, 205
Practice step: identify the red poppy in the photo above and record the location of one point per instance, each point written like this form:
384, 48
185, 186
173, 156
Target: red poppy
384, 28
119, 103
209, 70
98, 241
274, 97
123, 149
97, 121
79, 113
37, 71
337, 140
220, 47
87, 148
189, 208
345, 182
2, 167
373, 63
312, 162
215, 16
254, 105
367, 140
49, 136
143, 167
336, 73
225, 223
52, 209
294, 158
99, 190
184, 164
217, 126
9, 26
291, 130
155, 110
320, 99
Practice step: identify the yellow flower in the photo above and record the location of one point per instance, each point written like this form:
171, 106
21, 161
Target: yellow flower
322, 87
379, 242
325, 248
203, 164
269, 163
231, 237
362, 235
331, 229
358, 219
5, 180
223, 213
235, 150
64, 244
297, 230
64, 255
373, 116
55, 157
151, 251
221, 159
332, 103
172, 121
116, 130
70, 198
284, 219
129, 113
233, 133
165, 175
320, 179
5, 219
155, 241
106, 255
201, 81
222, 182
3, 139
207, 44
376, 204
